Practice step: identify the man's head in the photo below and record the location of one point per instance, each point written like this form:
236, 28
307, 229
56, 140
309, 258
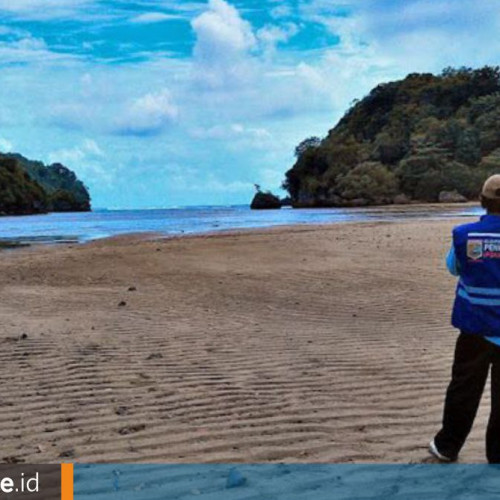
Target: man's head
490, 195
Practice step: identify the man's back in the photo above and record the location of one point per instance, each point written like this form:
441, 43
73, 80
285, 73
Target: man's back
477, 303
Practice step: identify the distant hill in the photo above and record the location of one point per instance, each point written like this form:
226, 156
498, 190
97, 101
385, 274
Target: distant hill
423, 138
30, 187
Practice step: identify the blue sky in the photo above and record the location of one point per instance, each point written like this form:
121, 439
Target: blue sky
156, 103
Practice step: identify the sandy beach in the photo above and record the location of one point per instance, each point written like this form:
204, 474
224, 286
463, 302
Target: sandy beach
305, 344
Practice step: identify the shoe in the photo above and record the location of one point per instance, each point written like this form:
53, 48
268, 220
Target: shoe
434, 451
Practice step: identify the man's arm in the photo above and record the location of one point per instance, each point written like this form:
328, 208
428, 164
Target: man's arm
452, 262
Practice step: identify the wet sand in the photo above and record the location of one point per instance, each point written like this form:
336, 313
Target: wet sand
304, 344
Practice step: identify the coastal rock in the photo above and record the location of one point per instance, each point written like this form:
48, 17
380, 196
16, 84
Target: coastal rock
265, 201
357, 202
401, 199
451, 197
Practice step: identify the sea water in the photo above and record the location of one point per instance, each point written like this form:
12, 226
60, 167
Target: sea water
81, 227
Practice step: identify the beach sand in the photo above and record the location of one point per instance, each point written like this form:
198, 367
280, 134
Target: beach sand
305, 344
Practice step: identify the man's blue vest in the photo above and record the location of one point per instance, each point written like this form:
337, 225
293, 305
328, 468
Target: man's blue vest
477, 302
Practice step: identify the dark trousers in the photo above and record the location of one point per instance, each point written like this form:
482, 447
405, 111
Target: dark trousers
474, 356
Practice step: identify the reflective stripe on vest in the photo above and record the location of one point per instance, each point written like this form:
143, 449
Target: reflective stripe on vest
477, 301
480, 290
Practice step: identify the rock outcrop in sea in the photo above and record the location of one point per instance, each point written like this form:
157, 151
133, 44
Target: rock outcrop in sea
265, 201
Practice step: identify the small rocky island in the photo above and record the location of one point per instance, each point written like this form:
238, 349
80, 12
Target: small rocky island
426, 138
264, 200
29, 187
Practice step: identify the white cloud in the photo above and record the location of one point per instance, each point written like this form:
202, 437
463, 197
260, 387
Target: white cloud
220, 186
221, 31
86, 159
6, 146
30, 50
415, 35
190, 179
15, 32
148, 115
236, 74
224, 42
271, 35
153, 17
88, 149
91, 148
185, 7
44, 9
281, 11
27, 5
223, 132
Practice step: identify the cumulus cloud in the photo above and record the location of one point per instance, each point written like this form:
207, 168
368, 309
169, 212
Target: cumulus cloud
237, 72
272, 35
221, 31
224, 41
148, 115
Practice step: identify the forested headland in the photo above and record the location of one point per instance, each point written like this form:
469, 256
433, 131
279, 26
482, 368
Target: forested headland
426, 138
30, 187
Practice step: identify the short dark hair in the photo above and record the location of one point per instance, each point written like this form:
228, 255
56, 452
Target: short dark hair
490, 205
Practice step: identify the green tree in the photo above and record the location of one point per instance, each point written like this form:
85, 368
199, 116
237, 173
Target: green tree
310, 142
370, 181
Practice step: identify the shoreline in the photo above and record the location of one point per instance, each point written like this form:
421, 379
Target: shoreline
433, 211
134, 238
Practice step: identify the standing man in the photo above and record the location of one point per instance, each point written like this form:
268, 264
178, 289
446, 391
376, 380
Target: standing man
475, 259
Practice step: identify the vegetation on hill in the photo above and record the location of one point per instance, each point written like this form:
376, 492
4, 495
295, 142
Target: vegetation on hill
19, 194
30, 187
414, 139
